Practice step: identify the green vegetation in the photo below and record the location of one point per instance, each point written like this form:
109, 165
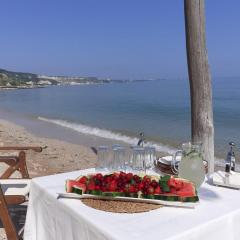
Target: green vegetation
9, 79
16, 78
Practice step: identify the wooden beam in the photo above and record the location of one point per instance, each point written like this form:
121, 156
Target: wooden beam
200, 79
21, 148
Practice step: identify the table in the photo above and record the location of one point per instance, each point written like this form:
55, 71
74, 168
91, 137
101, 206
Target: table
48, 218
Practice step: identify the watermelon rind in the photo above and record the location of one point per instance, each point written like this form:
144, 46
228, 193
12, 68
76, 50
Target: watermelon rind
78, 190
113, 194
94, 192
190, 199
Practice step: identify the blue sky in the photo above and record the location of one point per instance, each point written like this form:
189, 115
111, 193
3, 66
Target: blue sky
118, 39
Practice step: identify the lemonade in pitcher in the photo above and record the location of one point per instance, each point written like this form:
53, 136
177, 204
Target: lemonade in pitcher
191, 166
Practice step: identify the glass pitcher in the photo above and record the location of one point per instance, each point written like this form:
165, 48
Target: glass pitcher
191, 166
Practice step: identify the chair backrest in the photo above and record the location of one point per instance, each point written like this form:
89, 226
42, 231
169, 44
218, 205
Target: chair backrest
6, 218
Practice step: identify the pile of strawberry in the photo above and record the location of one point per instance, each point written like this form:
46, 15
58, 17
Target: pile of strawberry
130, 183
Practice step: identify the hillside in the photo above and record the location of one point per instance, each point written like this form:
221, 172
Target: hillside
18, 79
9, 78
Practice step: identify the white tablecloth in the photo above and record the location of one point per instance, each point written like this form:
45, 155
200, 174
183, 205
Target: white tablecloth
48, 218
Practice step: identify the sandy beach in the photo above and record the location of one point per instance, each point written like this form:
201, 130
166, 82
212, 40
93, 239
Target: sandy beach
57, 157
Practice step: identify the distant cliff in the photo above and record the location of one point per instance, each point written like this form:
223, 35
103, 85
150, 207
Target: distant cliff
14, 79
9, 79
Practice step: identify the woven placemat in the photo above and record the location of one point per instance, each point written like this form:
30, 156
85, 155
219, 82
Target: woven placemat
119, 206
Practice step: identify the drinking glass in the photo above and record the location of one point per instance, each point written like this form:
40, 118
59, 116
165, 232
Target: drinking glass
118, 160
138, 159
150, 157
103, 158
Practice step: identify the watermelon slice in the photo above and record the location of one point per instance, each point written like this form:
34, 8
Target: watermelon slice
70, 184
187, 190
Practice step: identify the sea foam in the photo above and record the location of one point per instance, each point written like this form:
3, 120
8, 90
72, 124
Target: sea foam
104, 133
94, 131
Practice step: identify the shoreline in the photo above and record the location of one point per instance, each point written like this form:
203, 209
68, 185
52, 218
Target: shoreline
66, 131
51, 131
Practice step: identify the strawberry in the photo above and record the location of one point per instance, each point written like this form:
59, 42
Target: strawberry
146, 179
150, 190
114, 177
132, 189
116, 174
122, 175
107, 179
141, 186
129, 176
157, 190
154, 183
137, 179
112, 186
99, 176
91, 186
136, 187
97, 187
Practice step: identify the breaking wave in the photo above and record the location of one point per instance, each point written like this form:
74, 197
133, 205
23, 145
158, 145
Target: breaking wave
94, 131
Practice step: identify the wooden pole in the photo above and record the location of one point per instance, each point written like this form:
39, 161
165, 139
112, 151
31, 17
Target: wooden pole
200, 79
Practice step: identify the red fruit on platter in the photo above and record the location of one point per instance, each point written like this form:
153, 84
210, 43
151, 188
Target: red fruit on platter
97, 187
107, 179
129, 176
137, 179
112, 186
83, 180
99, 176
132, 189
151, 190
91, 186
122, 175
141, 186
116, 175
136, 187
120, 184
146, 179
154, 183
157, 190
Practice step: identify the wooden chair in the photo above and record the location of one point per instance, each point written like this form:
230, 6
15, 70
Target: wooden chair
16, 163
14, 191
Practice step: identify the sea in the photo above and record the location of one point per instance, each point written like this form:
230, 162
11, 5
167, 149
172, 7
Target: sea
120, 111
